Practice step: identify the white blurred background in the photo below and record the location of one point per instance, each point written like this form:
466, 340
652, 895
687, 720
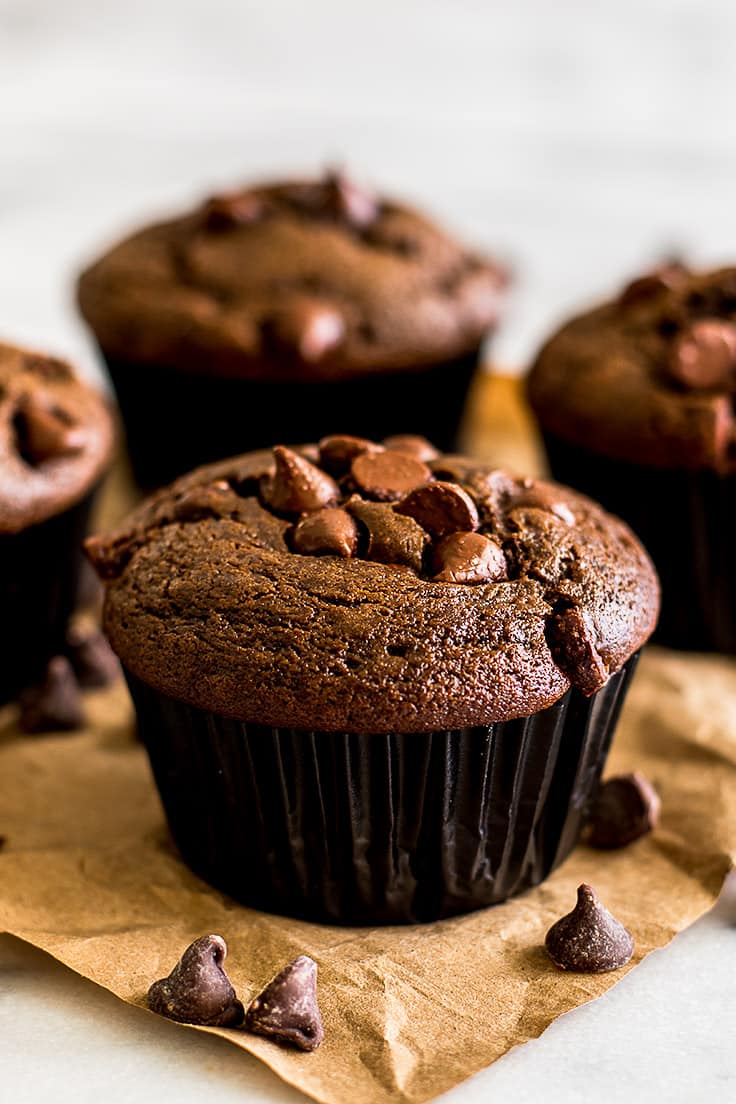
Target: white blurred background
579, 140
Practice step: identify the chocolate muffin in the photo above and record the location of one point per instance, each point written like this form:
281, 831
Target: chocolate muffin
56, 438
281, 307
376, 684
635, 400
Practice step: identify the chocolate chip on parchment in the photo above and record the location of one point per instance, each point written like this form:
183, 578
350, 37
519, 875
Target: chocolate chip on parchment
413, 445
307, 328
387, 476
287, 1009
55, 704
337, 452
469, 558
589, 939
198, 991
627, 807
44, 433
392, 538
94, 662
703, 356
332, 531
297, 486
440, 508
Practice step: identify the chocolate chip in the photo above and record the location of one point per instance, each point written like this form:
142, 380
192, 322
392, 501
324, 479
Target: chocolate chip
198, 991
347, 201
212, 500
337, 452
298, 487
54, 705
627, 807
573, 645
287, 1009
441, 508
387, 476
307, 328
44, 432
547, 499
330, 532
223, 212
469, 558
413, 445
704, 356
652, 285
392, 538
93, 660
589, 939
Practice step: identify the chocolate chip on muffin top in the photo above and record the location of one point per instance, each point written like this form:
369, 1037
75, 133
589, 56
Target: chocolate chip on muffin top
55, 438
317, 279
650, 377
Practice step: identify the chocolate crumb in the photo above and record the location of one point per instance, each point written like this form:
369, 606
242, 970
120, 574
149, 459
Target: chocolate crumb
589, 939
54, 705
627, 807
287, 1009
198, 991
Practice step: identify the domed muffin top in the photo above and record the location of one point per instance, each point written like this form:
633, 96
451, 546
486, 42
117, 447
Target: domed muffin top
307, 279
56, 437
372, 588
650, 377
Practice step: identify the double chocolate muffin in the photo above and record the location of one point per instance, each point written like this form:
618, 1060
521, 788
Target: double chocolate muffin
376, 683
56, 438
636, 404
287, 306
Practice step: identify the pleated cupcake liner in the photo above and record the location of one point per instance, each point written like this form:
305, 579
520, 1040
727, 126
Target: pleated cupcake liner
40, 573
377, 829
684, 519
176, 421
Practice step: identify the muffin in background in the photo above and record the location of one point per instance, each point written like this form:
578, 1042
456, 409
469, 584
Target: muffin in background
635, 400
286, 308
377, 684
56, 440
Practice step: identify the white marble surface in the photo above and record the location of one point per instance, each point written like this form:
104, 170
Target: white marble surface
579, 140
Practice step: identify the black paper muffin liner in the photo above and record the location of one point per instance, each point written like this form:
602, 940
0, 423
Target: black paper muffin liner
382, 829
40, 568
685, 521
175, 421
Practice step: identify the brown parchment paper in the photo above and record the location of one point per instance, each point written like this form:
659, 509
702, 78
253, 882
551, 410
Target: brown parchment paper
88, 873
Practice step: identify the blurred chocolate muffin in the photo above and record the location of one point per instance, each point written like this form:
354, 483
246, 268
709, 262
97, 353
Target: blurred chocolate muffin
376, 683
635, 400
284, 308
56, 438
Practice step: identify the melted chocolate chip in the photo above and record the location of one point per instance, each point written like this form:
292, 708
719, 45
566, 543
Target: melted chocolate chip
44, 433
54, 705
469, 558
392, 538
287, 1009
387, 476
413, 445
198, 991
589, 939
574, 648
223, 212
337, 452
298, 487
332, 532
93, 660
441, 508
704, 356
627, 807
308, 329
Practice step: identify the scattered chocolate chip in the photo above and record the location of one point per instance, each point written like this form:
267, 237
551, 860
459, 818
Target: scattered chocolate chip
45, 433
627, 807
573, 645
413, 445
392, 538
93, 660
212, 500
337, 452
652, 284
223, 212
704, 355
441, 508
589, 939
287, 1009
306, 327
469, 558
347, 201
298, 487
54, 705
198, 991
387, 476
332, 532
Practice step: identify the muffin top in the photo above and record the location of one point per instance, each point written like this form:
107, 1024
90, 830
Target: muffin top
56, 437
307, 279
364, 588
650, 377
